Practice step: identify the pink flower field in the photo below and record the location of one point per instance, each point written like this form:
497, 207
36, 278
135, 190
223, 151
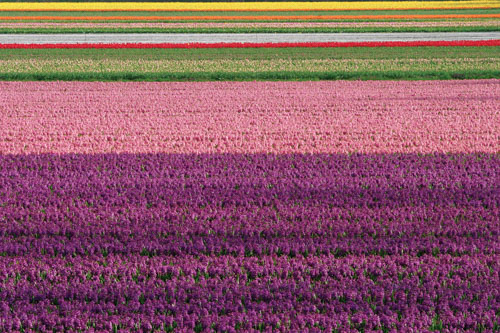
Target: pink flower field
250, 117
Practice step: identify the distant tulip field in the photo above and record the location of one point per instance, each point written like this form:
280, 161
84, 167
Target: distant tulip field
339, 206
193, 16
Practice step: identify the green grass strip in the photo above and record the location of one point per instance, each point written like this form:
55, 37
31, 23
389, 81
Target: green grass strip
255, 53
250, 30
250, 76
399, 63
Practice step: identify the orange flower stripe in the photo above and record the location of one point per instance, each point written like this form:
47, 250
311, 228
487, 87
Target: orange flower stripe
252, 18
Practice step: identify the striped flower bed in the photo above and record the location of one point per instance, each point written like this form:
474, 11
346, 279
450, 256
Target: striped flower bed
259, 206
246, 12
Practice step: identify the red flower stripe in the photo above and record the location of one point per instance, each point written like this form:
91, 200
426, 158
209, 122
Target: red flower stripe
493, 42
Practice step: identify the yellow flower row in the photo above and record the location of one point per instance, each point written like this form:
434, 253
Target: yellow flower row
240, 6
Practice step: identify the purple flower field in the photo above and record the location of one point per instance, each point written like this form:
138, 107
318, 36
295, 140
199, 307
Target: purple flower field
250, 242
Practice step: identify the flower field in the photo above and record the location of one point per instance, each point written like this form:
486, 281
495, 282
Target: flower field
294, 206
322, 117
252, 183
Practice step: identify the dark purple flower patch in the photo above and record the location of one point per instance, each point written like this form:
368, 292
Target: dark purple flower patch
250, 242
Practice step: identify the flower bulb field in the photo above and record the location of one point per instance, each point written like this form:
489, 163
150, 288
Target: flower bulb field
250, 187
